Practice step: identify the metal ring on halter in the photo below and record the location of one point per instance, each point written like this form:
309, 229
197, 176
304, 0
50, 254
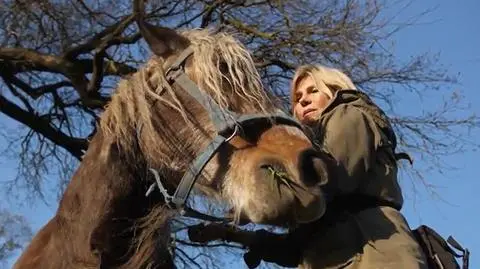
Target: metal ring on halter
233, 134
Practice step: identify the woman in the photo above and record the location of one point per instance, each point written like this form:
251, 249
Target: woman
363, 227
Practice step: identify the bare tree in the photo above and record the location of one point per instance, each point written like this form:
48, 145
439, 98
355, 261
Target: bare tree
14, 234
60, 62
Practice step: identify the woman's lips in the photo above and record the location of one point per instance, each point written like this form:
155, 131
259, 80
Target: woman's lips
308, 111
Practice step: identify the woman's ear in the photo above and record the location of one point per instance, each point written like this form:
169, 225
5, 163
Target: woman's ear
162, 41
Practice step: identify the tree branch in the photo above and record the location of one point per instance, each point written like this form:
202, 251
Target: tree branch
284, 65
22, 98
97, 74
247, 29
49, 88
42, 126
27, 59
21, 59
105, 38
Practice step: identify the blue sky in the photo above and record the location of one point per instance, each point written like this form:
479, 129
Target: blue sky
449, 30
452, 30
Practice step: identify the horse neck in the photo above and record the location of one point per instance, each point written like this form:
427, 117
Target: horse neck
105, 204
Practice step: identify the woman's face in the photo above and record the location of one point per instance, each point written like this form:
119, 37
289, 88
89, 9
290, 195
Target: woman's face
309, 101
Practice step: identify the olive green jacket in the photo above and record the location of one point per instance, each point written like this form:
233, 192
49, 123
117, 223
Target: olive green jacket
359, 136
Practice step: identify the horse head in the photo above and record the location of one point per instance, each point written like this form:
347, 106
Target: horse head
204, 86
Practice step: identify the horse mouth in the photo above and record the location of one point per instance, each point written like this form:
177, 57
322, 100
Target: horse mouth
283, 181
310, 199
278, 175
276, 171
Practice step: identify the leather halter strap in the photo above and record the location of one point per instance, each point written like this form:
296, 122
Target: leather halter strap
226, 123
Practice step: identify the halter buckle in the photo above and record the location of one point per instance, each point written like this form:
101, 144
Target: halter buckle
166, 196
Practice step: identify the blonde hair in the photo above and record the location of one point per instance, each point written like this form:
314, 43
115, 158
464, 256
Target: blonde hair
130, 105
324, 78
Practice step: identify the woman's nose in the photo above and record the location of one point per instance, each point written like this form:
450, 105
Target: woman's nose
305, 101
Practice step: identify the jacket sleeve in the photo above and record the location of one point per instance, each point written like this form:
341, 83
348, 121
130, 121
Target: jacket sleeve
352, 138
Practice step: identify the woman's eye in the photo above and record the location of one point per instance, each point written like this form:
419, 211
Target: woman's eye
314, 90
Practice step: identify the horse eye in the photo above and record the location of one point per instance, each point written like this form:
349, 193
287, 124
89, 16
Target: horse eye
223, 67
252, 132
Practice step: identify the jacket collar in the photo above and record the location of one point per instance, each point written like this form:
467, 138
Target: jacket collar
341, 97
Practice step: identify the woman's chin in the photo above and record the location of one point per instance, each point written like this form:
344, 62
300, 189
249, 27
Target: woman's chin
310, 117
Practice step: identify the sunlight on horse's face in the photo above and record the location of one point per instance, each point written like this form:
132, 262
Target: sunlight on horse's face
253, 185
265, 172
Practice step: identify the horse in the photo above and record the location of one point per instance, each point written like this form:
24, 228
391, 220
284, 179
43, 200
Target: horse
195, 115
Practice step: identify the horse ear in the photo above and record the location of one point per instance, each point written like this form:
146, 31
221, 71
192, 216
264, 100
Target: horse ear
161, 40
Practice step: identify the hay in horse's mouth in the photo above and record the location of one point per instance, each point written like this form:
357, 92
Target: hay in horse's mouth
279, 176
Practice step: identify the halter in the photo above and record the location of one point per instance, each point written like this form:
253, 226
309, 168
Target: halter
226, 123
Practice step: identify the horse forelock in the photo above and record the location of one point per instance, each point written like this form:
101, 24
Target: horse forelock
211, 51
130, 108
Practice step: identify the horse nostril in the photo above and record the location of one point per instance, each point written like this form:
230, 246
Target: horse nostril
313, 168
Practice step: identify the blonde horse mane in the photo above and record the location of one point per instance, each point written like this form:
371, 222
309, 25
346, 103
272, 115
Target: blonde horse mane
130, 105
